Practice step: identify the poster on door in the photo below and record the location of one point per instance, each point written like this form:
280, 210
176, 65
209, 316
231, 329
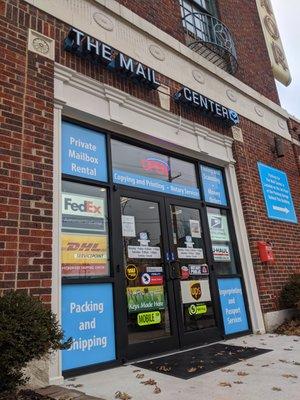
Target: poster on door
143, 252
218, 227
189, 253
195, 291
221, 253
141, 298
84, 255
88, 318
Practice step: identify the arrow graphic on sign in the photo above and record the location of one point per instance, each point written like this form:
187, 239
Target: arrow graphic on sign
281, 209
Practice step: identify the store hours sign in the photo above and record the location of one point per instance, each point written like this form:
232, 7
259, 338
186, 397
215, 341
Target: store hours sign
83, 152
88, 318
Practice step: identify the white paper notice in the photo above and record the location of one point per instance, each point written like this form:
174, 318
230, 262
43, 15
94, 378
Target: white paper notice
189, 252
195, 228
143, 252
128, 226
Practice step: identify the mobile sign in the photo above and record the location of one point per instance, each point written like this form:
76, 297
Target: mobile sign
277, 194
88, 317
233, 306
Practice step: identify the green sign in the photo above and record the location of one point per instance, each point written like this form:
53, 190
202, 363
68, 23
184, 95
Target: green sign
145, 298
196, 309
149, 318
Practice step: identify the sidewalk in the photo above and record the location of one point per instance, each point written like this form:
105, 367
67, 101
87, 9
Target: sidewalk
274, 375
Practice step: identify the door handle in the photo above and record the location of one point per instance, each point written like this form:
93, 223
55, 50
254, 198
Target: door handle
175, 267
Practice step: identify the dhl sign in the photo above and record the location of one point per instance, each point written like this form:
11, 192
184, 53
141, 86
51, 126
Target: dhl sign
83, 249
275, 49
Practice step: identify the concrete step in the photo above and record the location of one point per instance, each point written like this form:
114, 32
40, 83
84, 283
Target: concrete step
60, 393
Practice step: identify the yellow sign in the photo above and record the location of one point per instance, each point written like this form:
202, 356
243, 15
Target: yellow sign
196, 309
83, 255
131, 272
272, 37
149, 318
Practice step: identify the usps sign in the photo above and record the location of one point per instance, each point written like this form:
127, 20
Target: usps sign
277, 194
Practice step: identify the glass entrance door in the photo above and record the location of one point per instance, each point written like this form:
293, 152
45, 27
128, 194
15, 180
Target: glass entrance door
192, 274
151, 316
166, 274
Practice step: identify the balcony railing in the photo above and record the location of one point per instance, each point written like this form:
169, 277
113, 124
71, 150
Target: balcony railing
212, 39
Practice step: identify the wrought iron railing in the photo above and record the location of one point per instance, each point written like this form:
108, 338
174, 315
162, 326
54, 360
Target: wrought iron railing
212, 39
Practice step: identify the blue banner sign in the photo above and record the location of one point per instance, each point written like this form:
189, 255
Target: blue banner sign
83, 152
88, 317
158, 185
277, 194
213, 185
232, 304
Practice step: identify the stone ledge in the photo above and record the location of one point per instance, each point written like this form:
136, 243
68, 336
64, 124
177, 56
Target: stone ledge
60, 393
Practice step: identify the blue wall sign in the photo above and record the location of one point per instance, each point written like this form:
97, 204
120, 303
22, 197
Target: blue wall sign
277, 194
213, 185
83, 152
232, 304
88, 317
158, 185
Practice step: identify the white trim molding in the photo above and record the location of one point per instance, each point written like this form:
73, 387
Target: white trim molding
134, 36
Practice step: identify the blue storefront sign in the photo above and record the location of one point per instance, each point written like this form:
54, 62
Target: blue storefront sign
158, 185
277, 194
83, 152
88, 317
233, 306
213, 185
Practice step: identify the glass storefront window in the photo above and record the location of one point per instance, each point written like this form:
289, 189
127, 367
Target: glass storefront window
221, 242
84, 233
137, 167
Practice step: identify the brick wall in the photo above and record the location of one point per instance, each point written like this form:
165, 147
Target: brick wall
26, 105
26, 115
242, 19
285, 237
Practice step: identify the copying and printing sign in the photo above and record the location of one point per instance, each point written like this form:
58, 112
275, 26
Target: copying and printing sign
277, 194
83, 152
88, 317
213, 185
158, 185
80, 212
233, 306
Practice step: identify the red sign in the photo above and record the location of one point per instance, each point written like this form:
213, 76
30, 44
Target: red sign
155, 165
185, 273
152, 279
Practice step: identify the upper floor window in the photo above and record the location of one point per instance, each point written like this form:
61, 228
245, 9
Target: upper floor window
194, 17
206, 34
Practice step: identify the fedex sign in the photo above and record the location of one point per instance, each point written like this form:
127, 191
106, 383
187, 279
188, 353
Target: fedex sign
84, 206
